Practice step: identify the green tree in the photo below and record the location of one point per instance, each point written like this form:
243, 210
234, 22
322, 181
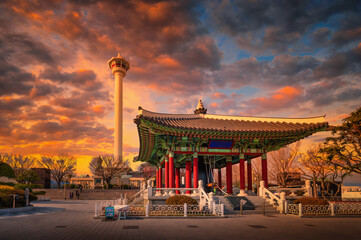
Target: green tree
344, 148
6, 170
27, 177
61, 166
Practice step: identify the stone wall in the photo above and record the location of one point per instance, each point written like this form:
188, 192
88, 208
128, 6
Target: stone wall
87, 194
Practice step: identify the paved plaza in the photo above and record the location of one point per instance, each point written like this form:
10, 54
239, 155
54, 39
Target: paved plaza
74, 220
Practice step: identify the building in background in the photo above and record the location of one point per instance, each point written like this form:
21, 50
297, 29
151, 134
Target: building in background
88, 182
351, 193
44, 176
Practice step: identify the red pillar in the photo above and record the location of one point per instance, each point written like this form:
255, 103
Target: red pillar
264, 170
242, 180
195, 170
188, 175
177, 179
249, 175
157, 178
171, 170
166, 173
160, 176
229, 176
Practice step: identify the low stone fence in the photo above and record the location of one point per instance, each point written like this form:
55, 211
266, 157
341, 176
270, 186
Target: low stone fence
164, 210
87, 194
333, 209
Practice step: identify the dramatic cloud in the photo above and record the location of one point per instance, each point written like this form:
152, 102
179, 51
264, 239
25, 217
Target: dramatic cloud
269, 58
278, 26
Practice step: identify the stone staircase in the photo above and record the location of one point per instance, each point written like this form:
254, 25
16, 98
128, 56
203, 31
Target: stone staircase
255, 205
258, 203
228, 207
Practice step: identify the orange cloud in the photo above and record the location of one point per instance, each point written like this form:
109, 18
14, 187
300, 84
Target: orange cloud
168, 61
218, 95
214, 105
98, 109
283, 98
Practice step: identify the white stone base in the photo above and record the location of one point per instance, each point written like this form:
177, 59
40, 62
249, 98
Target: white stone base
242, 193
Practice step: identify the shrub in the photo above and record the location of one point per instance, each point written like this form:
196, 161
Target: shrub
125, 186
39, 192
6, 170
24, 186
6, 199
311, 201
27, 177
8, 184
180, 200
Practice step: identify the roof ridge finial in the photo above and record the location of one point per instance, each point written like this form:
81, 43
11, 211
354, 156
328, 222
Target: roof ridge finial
200, 108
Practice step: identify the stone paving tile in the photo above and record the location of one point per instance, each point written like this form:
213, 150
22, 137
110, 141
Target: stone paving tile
77, 222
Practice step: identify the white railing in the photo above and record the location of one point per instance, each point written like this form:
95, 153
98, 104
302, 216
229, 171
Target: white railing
101, 205
306, 190
333, 209
276, 201
347, 208
165, 210
204, 199
166, 192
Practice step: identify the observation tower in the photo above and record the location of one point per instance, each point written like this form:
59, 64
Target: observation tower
119, 67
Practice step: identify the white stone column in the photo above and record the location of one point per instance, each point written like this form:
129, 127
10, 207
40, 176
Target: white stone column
118, 115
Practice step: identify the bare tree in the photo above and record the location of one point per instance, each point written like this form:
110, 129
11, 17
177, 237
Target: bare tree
283, 162
256, 171
108, 166
61, 166
311, 166
20, 163
4, 157
316, 166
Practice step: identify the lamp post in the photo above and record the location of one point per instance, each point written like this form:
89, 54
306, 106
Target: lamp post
64, 188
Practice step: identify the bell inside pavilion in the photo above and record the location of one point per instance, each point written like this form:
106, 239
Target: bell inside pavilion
202, 143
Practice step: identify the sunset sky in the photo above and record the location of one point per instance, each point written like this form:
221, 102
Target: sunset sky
260, 58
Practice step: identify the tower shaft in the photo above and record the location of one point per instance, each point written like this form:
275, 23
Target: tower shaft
119, 67
118, 115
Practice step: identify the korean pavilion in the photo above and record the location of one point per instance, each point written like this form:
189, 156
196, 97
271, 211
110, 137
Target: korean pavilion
175, 141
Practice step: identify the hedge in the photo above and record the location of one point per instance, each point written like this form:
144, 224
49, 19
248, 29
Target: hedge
311, 201
8, 184
6, 170
180, 200
6, 200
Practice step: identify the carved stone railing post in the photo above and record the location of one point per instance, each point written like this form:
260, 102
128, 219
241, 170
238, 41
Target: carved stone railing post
185, 209
261, 187
332, 205
147, 210
283, 202
150, 189
308, 187
96, 210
